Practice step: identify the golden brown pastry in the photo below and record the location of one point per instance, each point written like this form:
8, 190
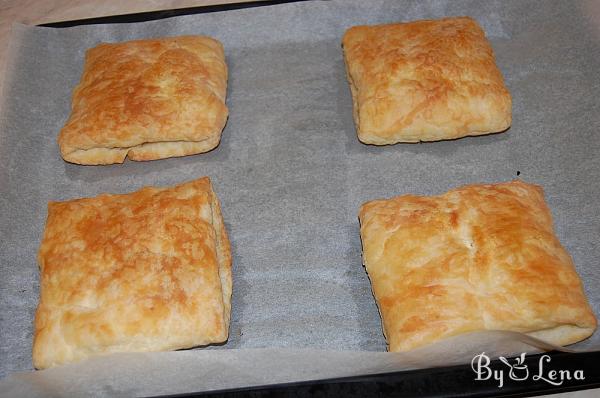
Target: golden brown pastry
147, 99
145, 271
480, 257
424, 81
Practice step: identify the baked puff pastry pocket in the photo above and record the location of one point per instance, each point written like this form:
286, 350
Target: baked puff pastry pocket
480, 257
145, 271
424, 81
146, 100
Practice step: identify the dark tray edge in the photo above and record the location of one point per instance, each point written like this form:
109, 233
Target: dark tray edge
448, 381
161, 14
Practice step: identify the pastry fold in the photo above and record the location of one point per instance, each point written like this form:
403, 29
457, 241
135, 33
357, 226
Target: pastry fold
424, 81
144, 271
146, 100
480, 257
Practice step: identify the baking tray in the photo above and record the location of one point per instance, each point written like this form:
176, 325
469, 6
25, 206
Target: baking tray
447, 381
440, 381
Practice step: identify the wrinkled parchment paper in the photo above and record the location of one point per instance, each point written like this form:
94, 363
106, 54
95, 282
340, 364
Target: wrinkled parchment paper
291, 175
160, 373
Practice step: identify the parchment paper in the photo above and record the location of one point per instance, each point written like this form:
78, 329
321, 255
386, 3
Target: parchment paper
291, 174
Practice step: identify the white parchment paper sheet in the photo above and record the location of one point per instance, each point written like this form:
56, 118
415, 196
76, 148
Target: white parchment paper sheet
290, 172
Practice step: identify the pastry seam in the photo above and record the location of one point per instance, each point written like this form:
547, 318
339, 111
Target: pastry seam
218, 228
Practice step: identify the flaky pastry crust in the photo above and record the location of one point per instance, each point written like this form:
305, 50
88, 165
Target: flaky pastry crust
480, 257
424, 81
146, 100
145, 271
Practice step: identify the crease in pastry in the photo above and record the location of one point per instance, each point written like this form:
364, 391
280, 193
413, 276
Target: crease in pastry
146, 100
144, 271
479, 257
223, 257
426, 80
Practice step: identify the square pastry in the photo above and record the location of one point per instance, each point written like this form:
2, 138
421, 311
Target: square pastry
147, 99
424, 81
480, 257
145, 271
